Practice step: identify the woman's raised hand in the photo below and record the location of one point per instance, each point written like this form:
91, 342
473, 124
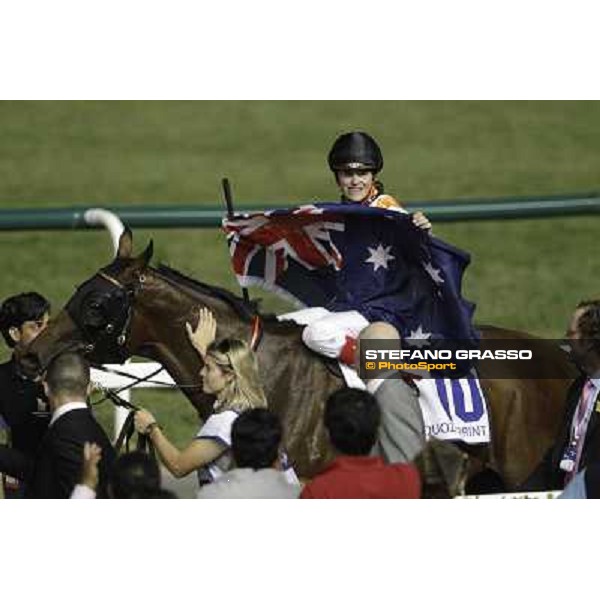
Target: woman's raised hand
205, 333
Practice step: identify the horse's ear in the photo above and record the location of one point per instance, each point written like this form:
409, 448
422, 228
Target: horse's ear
146, 255
125, 244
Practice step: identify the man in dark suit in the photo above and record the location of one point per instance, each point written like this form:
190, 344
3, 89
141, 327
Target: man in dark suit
23, 405
578, 442
60, 458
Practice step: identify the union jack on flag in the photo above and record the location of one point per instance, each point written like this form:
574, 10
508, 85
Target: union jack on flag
302, 234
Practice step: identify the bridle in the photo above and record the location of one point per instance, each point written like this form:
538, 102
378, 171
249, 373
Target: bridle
130, 291
109, 340
121, 336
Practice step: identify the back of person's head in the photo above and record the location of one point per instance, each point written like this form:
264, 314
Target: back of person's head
589, 323
135, 475
68, 375
255, 439
352, 419
245, 390
379, 330
16, 310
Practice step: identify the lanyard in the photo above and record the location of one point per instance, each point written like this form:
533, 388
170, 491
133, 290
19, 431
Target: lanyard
583, 412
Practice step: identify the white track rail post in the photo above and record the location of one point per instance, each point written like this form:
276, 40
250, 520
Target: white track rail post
115, 227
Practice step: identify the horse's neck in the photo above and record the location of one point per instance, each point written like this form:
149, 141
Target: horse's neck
166, 340
230, 324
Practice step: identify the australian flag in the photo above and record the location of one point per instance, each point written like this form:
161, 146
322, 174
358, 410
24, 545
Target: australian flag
353, 257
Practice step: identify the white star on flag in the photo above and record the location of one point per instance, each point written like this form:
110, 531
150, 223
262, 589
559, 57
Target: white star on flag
380, 257
419, 338
433, 273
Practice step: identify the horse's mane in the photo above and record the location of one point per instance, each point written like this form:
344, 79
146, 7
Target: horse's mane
242, 308
247, 311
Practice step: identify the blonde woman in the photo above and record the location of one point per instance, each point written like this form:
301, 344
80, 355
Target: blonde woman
229, 373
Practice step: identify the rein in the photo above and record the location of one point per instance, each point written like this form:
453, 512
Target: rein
147, 379
144, 444
127, 430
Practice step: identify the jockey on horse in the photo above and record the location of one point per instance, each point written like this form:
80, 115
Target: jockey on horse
355, 159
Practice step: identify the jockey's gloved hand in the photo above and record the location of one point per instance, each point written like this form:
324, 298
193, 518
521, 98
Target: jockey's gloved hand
421, 221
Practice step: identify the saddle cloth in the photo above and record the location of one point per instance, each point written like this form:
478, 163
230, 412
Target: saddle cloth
453, 409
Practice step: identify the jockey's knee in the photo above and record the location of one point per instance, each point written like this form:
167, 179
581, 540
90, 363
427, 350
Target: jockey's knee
309, 338
321, 341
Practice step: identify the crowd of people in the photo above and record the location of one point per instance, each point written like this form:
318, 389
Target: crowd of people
57, 449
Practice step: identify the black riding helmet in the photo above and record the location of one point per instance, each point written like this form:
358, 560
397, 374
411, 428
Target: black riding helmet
355, 150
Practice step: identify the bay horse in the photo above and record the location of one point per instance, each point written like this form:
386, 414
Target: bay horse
130, 308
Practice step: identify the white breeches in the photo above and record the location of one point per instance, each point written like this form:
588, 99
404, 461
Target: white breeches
326, 331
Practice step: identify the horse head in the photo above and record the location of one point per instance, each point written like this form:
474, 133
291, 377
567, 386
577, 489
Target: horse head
98, 318
129, 308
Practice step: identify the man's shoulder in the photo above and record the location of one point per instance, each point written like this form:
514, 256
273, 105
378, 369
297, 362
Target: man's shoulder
398, 480
79, 415
393, 387
408, 479
275, 481
247, 483
223, 487
79, 423
8, 371
325, 483
319, 486
405, 469
393, 380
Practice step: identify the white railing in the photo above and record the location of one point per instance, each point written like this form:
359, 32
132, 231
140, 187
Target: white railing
548, 495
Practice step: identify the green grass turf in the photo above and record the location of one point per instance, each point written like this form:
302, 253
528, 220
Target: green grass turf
524, 274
